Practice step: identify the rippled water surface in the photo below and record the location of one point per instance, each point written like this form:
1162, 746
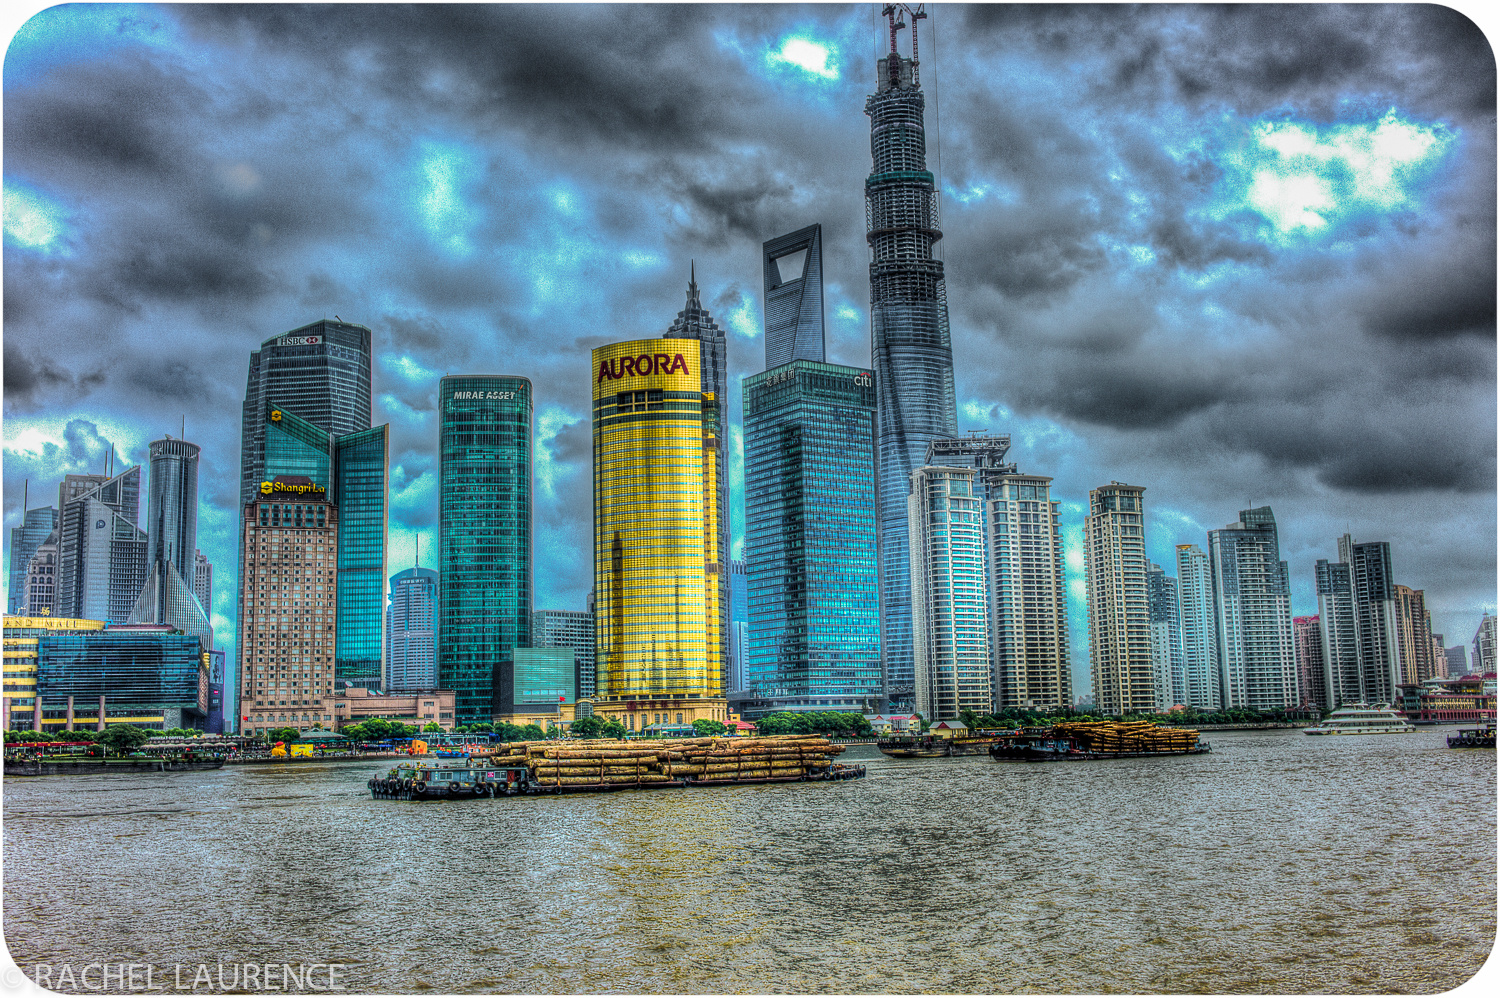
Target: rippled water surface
1279, 863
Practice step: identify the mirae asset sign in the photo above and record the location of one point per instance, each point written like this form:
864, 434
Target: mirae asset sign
485, 396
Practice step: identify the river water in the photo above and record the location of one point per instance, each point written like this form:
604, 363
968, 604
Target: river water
1278, 863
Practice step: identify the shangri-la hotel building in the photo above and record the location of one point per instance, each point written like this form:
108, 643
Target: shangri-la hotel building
656, 537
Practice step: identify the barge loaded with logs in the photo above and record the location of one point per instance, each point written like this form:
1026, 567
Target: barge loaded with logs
1082, 740
594, 766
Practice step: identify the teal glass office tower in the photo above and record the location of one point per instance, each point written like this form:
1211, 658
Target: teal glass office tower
810, 553
355, 471
484, 536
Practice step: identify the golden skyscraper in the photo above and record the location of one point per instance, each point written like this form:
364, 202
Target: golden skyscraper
656, 536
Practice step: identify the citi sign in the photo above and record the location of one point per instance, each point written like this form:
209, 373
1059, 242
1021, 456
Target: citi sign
643, 366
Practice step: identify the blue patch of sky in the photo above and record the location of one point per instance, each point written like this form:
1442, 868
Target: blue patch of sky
73, 33
548, 470
1305, 180
446, 174
34, 221
744, 318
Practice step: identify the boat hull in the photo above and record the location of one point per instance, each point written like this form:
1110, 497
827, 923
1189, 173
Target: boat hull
85, 767
1002, 753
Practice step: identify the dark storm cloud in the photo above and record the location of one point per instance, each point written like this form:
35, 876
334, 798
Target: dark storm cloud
609, 74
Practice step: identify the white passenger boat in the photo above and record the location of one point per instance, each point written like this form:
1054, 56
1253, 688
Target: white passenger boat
1360, 719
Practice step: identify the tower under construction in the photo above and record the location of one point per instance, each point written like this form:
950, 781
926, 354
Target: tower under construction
910, 348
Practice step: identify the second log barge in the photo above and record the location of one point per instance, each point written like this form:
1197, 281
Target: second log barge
1083, 740
591, 767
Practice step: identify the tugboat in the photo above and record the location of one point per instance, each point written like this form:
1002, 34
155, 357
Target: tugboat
1473, 737
415, 781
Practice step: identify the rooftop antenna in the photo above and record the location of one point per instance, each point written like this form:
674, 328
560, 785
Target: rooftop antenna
25, 487
418, 562
184, 427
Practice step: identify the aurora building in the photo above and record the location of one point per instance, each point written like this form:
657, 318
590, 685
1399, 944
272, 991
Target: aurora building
484, 539
658, 618
910, 346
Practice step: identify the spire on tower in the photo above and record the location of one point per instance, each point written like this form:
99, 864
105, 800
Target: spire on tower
693, 300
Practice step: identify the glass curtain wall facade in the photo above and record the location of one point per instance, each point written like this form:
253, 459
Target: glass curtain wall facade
361, 489
411, 638
21, 636
158, 677
793, 271
1028, 594
1114, 536
910, 345
658, 621
171, 542
568, 629
812, 586
36, 526
484, 536
1253, 608
949, 594
320, 372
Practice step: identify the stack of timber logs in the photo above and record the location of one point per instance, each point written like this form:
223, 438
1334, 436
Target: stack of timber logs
590, 763
1136, 736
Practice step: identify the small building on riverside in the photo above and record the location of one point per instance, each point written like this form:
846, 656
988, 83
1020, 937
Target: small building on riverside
354, 704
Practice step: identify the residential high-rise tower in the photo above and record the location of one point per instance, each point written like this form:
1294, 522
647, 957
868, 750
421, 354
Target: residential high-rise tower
1169, 674
1253, 608
1200, 640
1114, 547
949, 594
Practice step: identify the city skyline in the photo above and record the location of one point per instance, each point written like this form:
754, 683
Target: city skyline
1326, 385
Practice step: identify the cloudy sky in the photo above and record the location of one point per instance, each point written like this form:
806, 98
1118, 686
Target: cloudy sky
1234, 254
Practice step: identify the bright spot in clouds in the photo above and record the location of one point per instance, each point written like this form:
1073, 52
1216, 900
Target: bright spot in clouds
1302, 177
31, 219
808, 56
445, 170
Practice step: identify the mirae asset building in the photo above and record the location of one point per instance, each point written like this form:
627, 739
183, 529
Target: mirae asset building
657, 562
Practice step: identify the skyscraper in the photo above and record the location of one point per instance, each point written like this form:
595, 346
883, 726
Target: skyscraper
1414, 635
1114, 547
171, 543
1458, 660
949, 594
361, 489
811, 586
484, 534
1253, 614
793, 270
1372, 580
354, 469
695, 323
1168, 673
1484, 646
910, 346
1307, 642
37, 600
568, 629
36, 526
320, 372
203, 582
101, 551
739, 625
1338, 631
288, 607
658, 620
1200, 639
411, 635
1028, 594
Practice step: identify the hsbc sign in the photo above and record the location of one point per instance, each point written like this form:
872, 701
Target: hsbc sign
299, 341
